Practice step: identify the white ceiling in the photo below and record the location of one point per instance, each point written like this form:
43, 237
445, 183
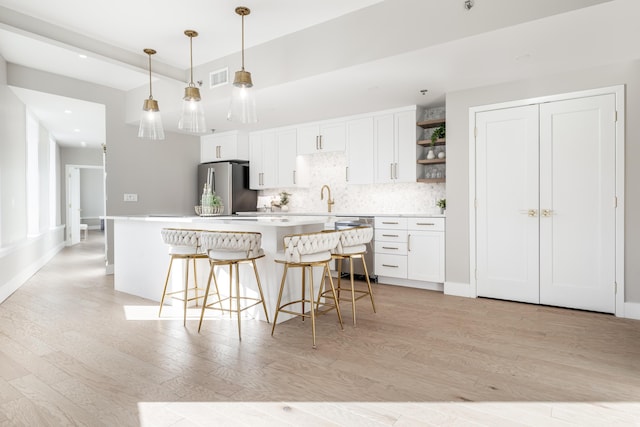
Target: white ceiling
446, 48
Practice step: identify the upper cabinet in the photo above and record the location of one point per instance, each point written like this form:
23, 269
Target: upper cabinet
321, 137
273, 159
360, 152
394, 142
224, 146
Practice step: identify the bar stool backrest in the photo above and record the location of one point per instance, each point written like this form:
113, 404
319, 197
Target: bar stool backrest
354, 240
181, 241
231, 244
300, 247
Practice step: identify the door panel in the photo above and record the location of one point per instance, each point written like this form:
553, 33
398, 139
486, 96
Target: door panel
506, 190
577, 178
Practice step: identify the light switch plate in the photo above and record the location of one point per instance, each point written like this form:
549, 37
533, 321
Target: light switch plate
130, 197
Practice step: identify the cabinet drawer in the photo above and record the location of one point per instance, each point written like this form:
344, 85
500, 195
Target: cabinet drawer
391, 265
429, 224
395, 248
391, 223
395, 236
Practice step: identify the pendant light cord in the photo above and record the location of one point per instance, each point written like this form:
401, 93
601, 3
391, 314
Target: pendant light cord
150, 89
191, 84
243, 42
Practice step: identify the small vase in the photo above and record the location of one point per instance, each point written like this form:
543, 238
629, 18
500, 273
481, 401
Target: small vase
431, 155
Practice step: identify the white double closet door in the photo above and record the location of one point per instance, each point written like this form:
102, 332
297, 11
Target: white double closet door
545, 193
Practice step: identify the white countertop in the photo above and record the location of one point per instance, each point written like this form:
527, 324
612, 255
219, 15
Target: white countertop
345, 214
270, 220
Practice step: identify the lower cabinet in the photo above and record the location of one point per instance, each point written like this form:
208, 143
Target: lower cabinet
410, 249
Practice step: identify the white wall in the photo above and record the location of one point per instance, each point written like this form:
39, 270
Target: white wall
458, 104
20, 255
161, 173
91, 196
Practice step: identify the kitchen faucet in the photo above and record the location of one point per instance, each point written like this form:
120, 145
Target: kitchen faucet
329, 200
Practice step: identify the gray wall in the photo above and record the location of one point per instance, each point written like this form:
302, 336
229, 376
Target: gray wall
458, 104
162, 173
91, 196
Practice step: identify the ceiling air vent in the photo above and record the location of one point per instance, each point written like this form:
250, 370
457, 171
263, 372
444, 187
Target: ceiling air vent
219, 77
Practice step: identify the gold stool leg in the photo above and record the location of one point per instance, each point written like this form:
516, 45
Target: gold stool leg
264, 306
166, 283
186, 291
353, 291
206, 296
313, 310
239, 312
366, 275
275, 317
333, 292
195, 279
304, 270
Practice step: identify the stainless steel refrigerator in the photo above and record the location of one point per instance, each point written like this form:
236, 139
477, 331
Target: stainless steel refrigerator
230, 181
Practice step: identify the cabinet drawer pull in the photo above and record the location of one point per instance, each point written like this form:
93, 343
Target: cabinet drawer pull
390, 235
389, 222
425, 223
387, 265
389, 247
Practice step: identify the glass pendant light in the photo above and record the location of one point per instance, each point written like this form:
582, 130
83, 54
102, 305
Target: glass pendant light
150, 121
192, 117
243, 104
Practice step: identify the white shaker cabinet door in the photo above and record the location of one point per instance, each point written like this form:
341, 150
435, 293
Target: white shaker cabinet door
360, 151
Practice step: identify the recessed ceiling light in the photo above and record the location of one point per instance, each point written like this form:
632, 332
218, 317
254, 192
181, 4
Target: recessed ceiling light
82, 56
523, 57
68, 111
83, 143
76, 130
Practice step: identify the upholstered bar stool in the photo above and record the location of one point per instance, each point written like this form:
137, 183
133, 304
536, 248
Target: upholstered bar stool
184, 245
353, 244
228, 248
306, 251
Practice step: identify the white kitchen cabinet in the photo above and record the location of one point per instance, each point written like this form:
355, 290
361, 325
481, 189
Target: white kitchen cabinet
272, 162
410, 250
287, 152
394, 142
262, 160
321, 137
360, 151
425, 249
224, 146
390, 245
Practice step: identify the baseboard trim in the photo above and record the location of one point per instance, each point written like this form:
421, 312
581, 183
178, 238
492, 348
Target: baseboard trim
459, 289
632, 310
109, 269
21, 278
430, 286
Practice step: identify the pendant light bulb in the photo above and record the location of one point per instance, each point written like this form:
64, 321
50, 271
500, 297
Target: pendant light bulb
192, 118
243, 104
150, 120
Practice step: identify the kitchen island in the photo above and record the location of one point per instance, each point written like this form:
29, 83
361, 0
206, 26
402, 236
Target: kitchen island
141, 257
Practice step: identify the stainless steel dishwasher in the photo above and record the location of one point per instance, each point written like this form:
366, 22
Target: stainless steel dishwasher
369, 257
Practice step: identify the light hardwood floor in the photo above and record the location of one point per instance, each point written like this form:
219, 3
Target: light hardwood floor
75, 352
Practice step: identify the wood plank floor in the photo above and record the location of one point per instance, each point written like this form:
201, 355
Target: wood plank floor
75, 352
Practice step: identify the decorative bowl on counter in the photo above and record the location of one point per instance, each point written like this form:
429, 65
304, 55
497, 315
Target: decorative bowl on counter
209, 210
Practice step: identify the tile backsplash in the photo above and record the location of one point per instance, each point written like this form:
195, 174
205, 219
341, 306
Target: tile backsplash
329, 168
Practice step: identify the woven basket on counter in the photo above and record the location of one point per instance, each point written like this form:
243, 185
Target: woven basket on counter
209, 210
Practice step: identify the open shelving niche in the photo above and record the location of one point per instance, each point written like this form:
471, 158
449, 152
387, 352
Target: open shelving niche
425, 165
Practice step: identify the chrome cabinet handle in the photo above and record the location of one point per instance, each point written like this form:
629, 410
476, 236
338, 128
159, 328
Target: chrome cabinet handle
388, 265
390, 170
389, 235
321, 147
409, 242
389, 222
389, 247
294, 177
431, 224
